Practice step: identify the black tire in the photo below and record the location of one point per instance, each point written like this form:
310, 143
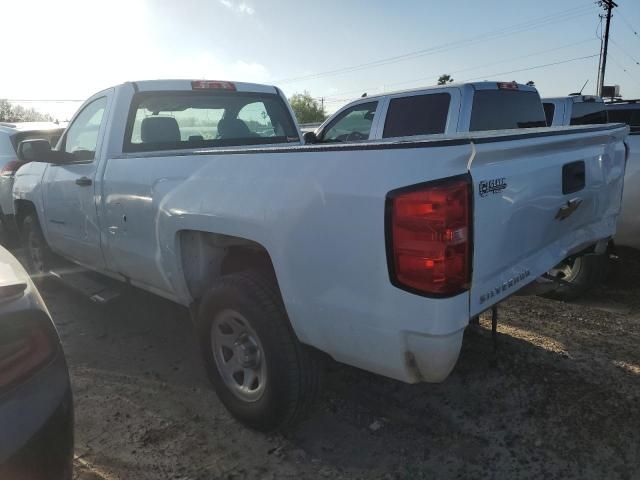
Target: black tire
5, 239
582, 275
38, 262
293, 371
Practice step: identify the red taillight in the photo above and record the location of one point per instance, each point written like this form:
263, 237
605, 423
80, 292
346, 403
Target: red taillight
212, 85
507, 85
25, 346
429, 234
10, 168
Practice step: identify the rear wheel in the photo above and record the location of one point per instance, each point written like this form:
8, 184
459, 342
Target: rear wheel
578, 276
262, 374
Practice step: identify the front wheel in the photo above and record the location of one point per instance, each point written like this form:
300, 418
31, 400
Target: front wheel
262, 374
578, 276
37, 255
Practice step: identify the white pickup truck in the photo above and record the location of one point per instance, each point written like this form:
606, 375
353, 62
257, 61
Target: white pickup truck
376, 253
628, 229
580, 273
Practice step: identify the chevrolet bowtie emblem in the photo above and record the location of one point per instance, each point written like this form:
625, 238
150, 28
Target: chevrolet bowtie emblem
566, 210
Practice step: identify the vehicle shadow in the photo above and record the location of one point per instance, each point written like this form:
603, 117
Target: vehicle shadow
526, 411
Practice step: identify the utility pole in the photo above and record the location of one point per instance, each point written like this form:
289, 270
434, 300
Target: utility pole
608, 5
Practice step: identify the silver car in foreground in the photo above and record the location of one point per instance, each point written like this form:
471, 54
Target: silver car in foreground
36, 409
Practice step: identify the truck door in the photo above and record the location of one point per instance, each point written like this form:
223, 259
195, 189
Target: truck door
70, 191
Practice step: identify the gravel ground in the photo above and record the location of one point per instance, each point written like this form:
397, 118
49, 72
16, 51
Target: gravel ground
559, 399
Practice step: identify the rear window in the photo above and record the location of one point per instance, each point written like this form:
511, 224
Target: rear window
588, 113
179, 120
504, 109
549, 110
630, 116
417, 115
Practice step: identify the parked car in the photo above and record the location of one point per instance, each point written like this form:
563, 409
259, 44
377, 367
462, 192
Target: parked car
443, 109
11, 134
628, 234
36, 409
376, 253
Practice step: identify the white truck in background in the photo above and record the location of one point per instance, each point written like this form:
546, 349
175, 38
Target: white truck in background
580, 274
439, 110
575, 110
376, 253
628, 230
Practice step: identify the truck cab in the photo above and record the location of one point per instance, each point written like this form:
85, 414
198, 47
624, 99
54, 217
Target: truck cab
575, 110
445, 110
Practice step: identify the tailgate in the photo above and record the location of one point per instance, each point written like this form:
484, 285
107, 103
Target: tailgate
538, 198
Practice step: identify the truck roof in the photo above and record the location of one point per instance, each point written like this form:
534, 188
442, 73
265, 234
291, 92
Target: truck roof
575, 98
14, 127
484, 85
186, 84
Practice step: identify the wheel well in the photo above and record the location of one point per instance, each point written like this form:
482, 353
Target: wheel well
22, 209
207, 256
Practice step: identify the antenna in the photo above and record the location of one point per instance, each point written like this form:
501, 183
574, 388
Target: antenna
580, 92
585, 84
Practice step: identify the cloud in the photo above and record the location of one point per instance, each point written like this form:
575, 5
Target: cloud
241, 7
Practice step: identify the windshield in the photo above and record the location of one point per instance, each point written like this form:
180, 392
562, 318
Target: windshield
170, 121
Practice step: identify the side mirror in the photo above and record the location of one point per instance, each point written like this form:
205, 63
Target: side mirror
36, 150
39, 150
310, 138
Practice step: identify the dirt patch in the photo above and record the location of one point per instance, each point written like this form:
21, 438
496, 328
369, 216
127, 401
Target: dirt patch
559, 399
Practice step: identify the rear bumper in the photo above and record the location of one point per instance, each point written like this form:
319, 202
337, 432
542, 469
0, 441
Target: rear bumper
431, 358
36, 440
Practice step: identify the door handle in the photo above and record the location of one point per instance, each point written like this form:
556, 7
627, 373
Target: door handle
84, 181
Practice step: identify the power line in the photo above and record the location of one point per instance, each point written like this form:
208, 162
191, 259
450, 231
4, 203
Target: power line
510, 30
560, 62
623, 50
631, 27
534, 67
622, 67
415, 80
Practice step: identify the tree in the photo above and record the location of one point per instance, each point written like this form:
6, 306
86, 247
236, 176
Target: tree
444, 79
17, 113
531, 83
307, 108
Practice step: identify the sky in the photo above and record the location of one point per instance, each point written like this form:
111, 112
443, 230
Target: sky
334, 49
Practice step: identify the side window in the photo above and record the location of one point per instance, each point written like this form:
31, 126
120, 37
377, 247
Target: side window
256, 117
417, 115
82, 135
549, 110
353, 124
629, 116
588, 113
